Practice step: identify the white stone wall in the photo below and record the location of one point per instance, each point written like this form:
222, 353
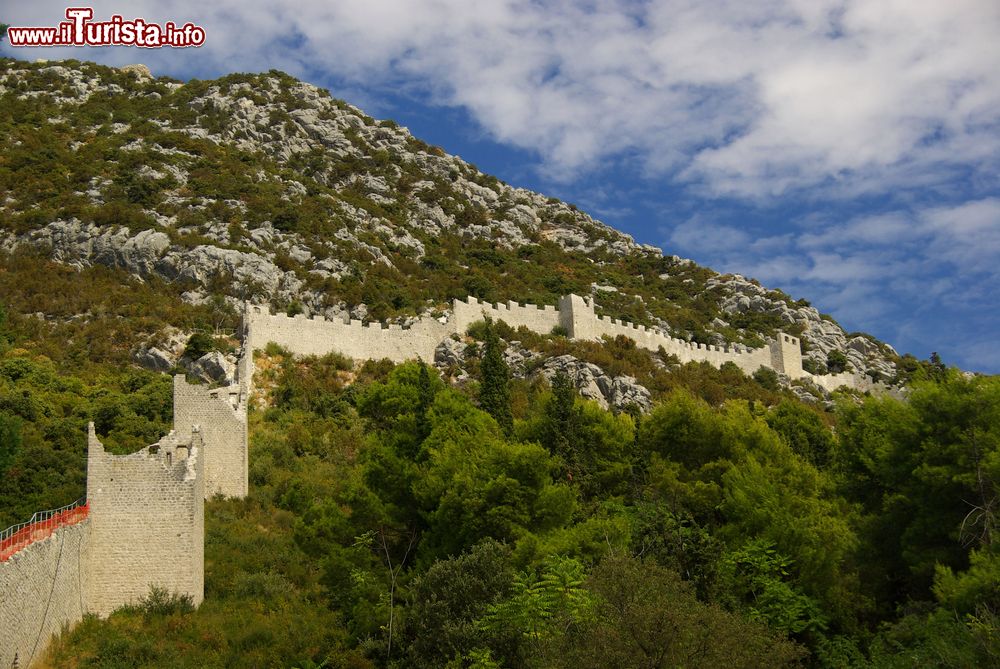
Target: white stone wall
831, 382
316, 336
221, 414
43, 587
244, 372
147, 519
535, 318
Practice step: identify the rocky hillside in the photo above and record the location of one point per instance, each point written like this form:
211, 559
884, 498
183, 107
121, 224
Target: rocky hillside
265, 188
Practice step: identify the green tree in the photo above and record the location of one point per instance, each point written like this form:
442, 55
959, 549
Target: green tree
475, 484
767, 378
562, 419
494, 391
446, 601
10, 439
760, 577
927, 474
198, 345
542, 604
425, 397
646, 617
4, 336
836, 361
803, 430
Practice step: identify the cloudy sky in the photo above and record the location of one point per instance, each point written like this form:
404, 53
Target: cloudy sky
846, 151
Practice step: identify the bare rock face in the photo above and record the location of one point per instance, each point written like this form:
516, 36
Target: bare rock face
214, 367
139, 70
155, 359
594, 384
83, 244
450, 353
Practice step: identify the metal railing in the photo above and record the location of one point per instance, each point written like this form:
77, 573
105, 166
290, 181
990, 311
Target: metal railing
40, 526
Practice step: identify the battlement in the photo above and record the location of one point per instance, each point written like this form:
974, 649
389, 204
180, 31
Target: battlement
575, 314
315, 336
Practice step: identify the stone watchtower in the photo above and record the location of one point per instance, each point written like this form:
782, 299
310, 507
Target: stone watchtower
786, 355
576, 316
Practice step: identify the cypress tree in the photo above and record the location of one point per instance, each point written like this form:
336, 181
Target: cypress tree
425, 398
560, 413
494, 390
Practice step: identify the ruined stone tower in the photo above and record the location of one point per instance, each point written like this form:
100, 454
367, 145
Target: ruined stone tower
142, 526
221, 415
147, 521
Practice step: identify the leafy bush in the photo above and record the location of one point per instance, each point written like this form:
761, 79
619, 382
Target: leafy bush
836, 361
198, 345
767, 378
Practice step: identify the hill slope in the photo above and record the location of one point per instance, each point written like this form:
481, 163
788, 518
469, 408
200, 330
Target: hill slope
262, 187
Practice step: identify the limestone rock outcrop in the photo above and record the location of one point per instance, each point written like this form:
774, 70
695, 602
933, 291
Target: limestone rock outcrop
380, 200
214, 367
820, 334
593, 383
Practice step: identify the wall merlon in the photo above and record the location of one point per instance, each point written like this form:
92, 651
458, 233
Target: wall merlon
574, 313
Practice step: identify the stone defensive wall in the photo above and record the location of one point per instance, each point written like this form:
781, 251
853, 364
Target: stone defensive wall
540, 319
142, 526
318, 336
147, 516
575, 314
43, 587
581, 322
221, 414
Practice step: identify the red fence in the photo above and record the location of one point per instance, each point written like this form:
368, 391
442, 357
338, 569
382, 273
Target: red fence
41, 525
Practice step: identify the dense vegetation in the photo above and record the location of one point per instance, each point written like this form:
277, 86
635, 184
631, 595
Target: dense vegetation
392, 522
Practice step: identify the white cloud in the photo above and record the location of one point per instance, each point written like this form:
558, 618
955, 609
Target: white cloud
747, 98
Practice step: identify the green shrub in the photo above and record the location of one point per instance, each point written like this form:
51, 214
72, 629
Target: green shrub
198, 345
767, 378
836, 361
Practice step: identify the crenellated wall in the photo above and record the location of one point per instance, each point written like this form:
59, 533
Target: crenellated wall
583, 323
537, 319
317, 336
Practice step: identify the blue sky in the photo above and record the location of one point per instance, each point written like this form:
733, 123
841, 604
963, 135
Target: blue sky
846, 151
